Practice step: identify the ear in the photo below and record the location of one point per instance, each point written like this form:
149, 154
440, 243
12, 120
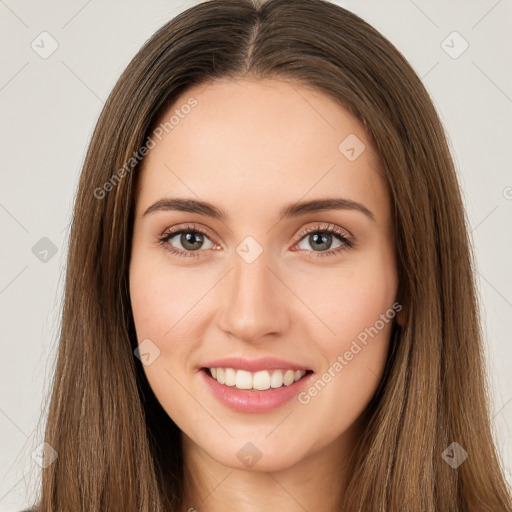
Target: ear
401, 317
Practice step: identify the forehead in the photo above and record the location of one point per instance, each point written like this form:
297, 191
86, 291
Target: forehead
256, 143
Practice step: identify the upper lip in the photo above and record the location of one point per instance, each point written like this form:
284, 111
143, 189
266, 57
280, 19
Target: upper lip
254, 365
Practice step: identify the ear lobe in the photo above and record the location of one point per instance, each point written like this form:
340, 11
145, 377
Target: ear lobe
401, 317
401, 312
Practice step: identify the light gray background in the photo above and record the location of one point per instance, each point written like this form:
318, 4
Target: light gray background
49, 108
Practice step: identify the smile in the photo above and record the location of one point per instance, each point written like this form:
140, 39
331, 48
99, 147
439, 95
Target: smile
259, 392
260, 381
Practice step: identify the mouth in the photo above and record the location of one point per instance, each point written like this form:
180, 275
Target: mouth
255, 381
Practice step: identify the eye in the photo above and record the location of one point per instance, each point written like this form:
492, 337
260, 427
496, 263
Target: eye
321, 238
191, 238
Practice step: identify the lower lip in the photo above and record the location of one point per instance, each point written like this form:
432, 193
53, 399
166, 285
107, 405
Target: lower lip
251, 400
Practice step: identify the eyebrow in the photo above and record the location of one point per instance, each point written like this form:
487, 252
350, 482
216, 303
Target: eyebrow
289, 211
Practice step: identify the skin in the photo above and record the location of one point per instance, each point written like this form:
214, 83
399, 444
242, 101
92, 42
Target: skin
250, 147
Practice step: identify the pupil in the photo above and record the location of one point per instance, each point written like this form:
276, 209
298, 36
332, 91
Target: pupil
321, 239
191, 239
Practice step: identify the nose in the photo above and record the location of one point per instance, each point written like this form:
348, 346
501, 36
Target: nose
254, 301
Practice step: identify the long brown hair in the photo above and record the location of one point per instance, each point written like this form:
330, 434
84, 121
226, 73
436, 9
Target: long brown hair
117, 448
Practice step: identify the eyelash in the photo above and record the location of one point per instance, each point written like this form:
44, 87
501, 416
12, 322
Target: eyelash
191, 228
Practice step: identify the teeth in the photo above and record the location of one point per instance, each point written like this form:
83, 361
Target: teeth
229, 377
262, 380
276, 381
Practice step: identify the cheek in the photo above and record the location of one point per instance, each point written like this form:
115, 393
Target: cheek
356, 302
168, 310
349, 298
159, 302
160, 298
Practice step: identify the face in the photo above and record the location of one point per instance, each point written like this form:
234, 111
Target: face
259, 277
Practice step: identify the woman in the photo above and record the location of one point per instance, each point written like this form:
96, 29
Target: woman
211, 358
